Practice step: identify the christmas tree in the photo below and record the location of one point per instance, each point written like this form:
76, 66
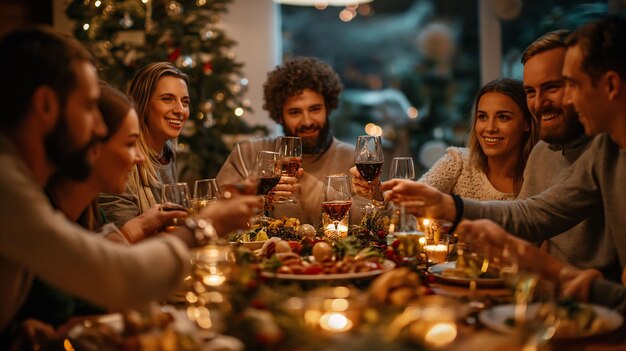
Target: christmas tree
125, 35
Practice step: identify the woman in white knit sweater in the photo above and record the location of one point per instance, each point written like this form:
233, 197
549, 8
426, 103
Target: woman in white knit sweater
502, 135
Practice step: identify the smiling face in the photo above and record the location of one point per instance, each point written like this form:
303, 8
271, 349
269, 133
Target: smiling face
118, 155
545, 87
304, 116
499, 125
587, 98
168, 109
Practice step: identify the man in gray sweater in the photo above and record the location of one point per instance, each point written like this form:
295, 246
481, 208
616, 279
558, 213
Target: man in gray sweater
562, 141
595, 77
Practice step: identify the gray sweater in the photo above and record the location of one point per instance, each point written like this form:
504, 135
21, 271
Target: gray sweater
596, 180
337, 159
586, 245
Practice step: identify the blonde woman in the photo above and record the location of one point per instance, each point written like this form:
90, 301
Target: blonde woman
161, 96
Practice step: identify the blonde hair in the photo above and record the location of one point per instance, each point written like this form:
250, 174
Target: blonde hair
514, 89
141, 89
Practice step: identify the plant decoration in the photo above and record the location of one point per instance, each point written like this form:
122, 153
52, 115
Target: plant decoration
373, 229
285, 228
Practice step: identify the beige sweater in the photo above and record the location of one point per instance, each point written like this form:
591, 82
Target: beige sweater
37, 240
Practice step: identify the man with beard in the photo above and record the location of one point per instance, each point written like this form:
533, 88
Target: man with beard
49, 121
595, 77
562, 141
299, 95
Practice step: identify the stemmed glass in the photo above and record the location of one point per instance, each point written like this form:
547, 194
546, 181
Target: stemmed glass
368, 158
402, 168
476, 264
175, 197
336, 199
205, 192
290, 150
406, 230
535, 312
267, 170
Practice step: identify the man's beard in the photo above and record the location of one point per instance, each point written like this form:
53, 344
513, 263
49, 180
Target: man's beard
70, 163
566, 132
313, 146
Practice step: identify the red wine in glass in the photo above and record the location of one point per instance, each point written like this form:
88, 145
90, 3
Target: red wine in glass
336, 210
369, 170
266, 184
291, 165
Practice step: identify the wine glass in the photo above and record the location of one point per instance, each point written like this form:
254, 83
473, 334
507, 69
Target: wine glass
205, 192
175, 197
368, 158
402, 168
290, 150
411, 239
267, 170
475, 262
336, 199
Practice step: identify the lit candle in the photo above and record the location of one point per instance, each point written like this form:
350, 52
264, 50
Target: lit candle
335, 322
437, 253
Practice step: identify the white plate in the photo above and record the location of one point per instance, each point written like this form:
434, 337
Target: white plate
495, 318
113, 320
437, 271
386, 266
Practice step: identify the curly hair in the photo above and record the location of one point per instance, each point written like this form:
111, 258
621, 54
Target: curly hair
293, 77
514, 89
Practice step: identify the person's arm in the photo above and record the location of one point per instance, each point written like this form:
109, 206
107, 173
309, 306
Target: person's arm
553, 211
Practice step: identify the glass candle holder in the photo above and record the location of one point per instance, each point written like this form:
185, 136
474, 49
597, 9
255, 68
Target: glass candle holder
333, 309
436, 233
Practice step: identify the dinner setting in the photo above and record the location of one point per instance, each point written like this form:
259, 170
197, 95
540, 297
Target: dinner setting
141, 209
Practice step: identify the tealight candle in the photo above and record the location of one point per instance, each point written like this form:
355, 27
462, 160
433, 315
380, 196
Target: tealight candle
437, 253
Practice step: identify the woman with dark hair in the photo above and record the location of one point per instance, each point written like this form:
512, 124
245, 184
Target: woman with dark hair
161, 96
502, 134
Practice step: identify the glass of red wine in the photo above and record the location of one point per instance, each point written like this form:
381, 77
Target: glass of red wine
290, 150
336, 199
267, 170
368, 158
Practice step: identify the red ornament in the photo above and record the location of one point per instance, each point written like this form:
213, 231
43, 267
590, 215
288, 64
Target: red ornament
207, 67
173, 55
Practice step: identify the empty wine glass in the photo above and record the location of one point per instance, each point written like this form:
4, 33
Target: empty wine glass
175, 197
368, 158
402, 168
290, 150
336, 199
267, 170
205, 192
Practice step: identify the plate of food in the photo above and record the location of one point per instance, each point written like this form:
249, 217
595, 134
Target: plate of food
449, 272
285, 228
317, 272
576, 320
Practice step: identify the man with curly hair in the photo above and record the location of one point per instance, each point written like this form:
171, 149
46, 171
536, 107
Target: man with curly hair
299, 95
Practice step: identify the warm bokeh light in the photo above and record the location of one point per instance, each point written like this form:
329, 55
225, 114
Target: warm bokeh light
346, 15
86, 26
335, 322
441, 334
412, 112
238, 112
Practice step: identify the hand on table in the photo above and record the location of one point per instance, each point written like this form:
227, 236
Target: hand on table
149, 223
